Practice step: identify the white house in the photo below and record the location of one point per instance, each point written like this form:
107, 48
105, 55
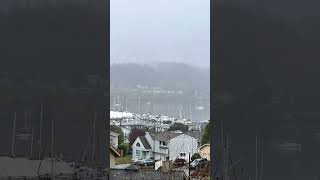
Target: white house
126, 133
163, 145
141, 149
182, 146
159, 144
114, 138
204, 151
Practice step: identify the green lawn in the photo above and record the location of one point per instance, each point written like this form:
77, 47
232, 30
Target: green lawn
123, 160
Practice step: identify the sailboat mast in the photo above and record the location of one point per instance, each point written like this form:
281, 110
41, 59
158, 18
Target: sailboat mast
261, 162
52, 156
226, 161
40, 130
126, 104
120, 103
52, 138
139, 105
256, 157
180, 109
94, 139
261, 165
13, 134
190, 112
31, 145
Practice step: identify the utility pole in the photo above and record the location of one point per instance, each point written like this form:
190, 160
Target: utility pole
154, 142
189, 166
168, 148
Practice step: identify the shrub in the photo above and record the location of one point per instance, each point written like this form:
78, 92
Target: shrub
124, 147
195, 156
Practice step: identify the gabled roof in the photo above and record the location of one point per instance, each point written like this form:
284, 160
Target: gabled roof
114, 133
195, 134
166, 135
204, 146
145, 142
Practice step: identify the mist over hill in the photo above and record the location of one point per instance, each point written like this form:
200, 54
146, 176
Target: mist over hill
160, 88
169, 76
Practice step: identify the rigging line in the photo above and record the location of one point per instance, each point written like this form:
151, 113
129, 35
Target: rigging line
43, 150
87, 146
234, 173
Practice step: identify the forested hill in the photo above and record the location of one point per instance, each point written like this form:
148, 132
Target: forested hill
172, 76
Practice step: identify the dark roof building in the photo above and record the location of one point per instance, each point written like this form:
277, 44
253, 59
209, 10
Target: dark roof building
145, 142
166, 135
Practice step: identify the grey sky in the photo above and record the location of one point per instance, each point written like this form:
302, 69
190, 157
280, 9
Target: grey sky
147, 31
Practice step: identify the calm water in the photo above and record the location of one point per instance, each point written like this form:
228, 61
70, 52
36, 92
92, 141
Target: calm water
194, 108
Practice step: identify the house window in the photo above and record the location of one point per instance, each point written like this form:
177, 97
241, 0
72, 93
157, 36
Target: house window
138, 153
182, 154
138, 144
163, 143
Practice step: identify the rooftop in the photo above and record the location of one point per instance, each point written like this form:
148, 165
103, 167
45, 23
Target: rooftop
114, 134
166, 135
145, 142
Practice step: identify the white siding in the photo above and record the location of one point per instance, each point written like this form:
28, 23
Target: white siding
160, 153
182, 144
126, 133
114, 141
139, 152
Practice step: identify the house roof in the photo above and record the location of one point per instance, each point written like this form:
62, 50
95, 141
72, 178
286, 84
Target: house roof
114, 133
145, 142
114, 151
195, 134
204, 146
166, 135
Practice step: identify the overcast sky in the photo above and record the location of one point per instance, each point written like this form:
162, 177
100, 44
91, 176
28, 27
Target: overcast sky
147, 31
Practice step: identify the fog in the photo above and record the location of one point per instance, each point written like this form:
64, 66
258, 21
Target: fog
148, 31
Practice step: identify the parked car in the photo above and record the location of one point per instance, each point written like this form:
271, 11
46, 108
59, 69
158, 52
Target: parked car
199, 163
145, 162
179, 162
137, 161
